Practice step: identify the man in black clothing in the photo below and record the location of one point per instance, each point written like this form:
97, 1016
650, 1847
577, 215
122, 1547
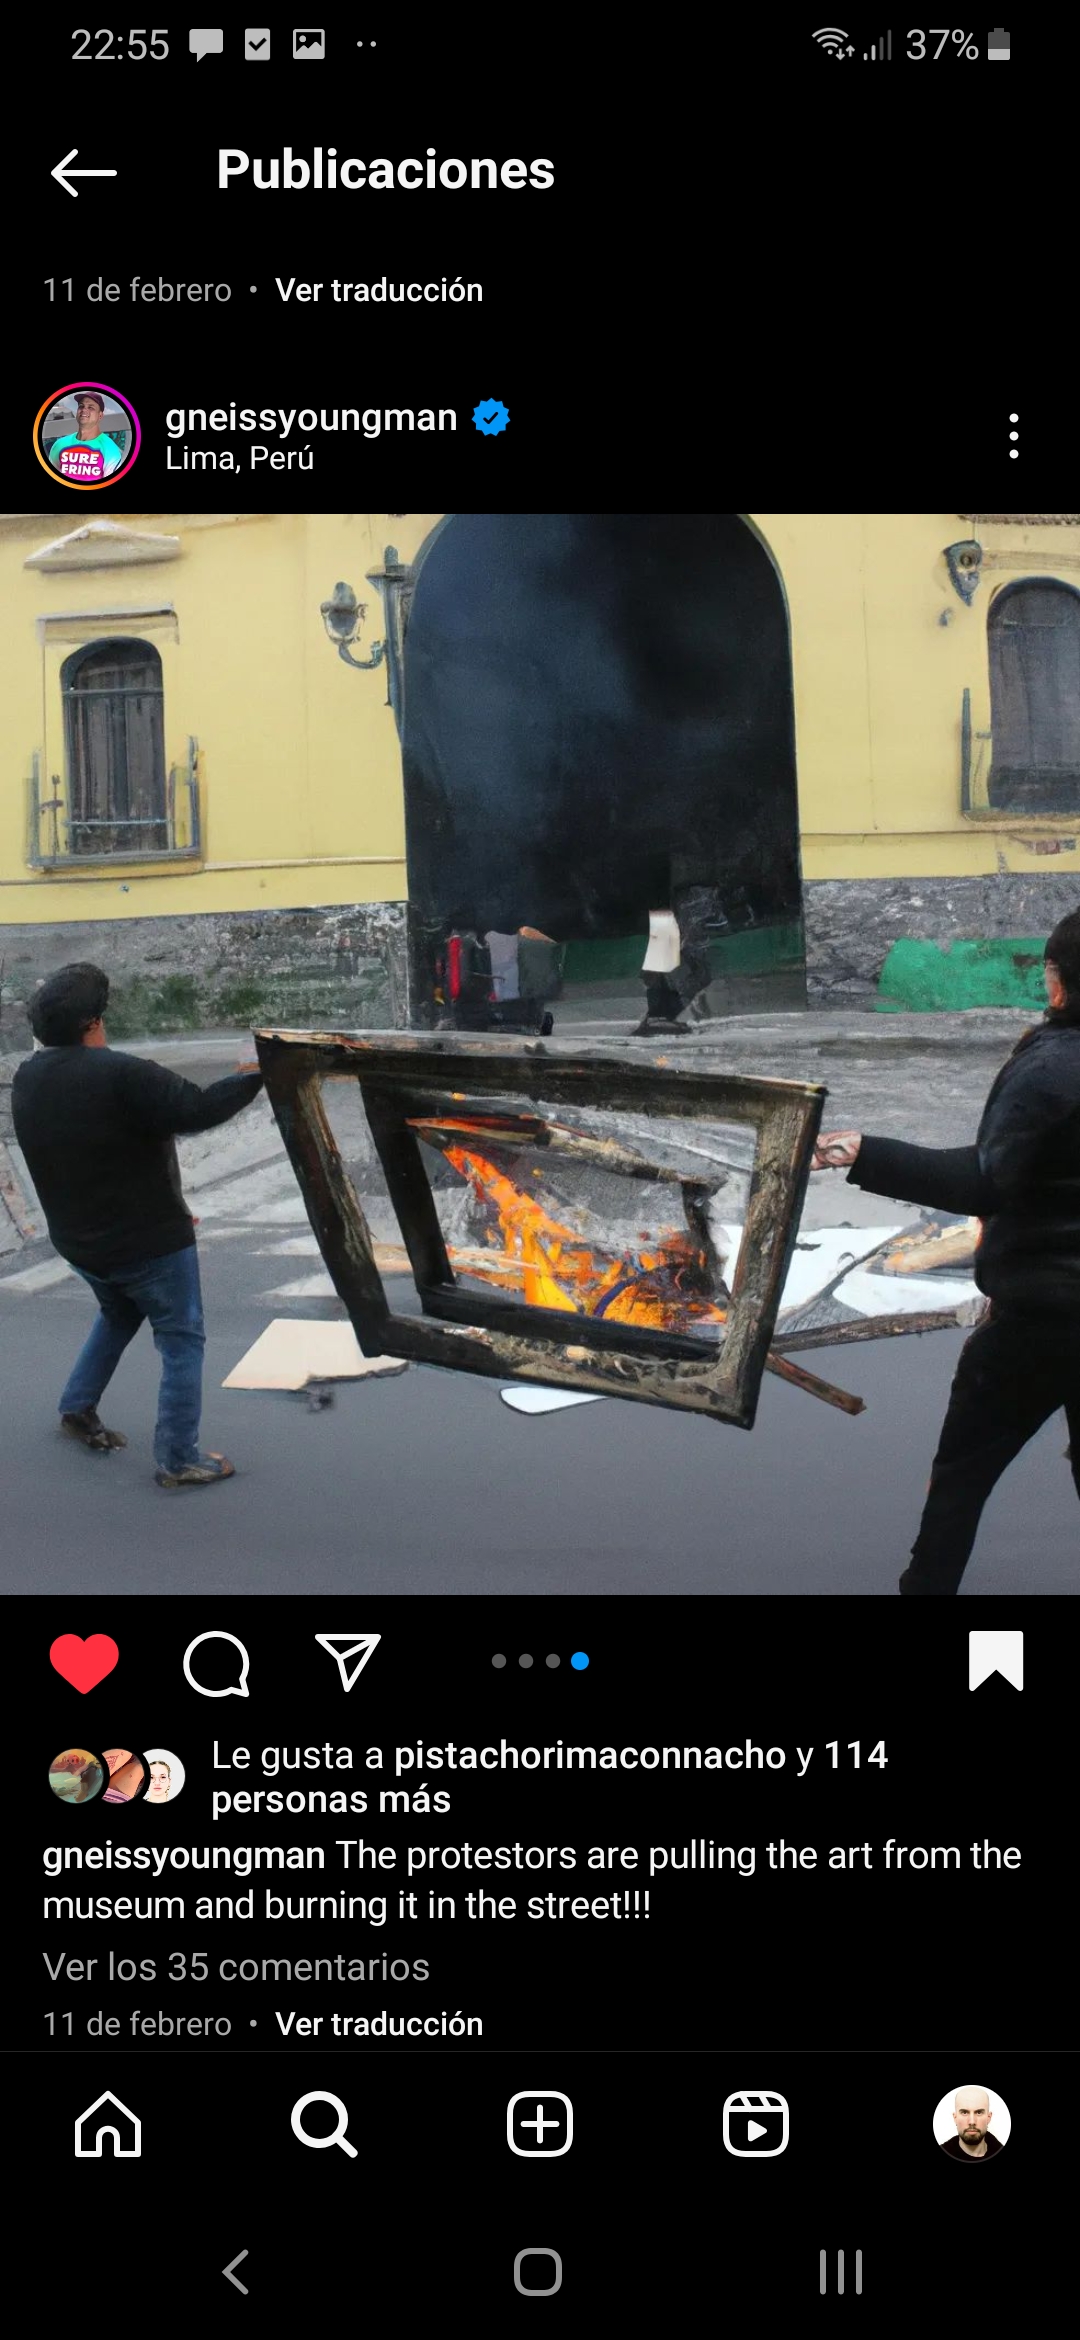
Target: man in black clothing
972, 2115
97, 1129
1022, 1179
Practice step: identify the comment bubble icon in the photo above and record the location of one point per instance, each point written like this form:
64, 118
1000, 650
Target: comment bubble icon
206, 41
234, 1689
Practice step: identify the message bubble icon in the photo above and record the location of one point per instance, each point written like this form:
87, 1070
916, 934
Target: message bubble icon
206, 41
237, 1689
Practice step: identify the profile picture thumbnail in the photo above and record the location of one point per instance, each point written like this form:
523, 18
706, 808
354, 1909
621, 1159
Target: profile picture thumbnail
166, 1775
76, 1775
127, 1775
87, 435
971, 2124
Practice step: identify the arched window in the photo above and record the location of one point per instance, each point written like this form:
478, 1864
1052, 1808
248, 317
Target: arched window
1034, 630
115, 740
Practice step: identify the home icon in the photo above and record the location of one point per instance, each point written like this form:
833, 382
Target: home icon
126, 2127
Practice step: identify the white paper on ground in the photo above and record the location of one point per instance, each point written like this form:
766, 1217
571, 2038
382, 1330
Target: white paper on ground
548, 1401
297, 1349
812, 1268
904, 1295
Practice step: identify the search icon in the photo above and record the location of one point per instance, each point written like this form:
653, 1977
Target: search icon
237, 1689
337, 2134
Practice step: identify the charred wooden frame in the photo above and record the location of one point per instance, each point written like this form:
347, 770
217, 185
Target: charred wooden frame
406, 1078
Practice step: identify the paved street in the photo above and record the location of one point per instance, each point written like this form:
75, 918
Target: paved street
428, 1483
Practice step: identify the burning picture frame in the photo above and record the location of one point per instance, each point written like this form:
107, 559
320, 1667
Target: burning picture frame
663, 1326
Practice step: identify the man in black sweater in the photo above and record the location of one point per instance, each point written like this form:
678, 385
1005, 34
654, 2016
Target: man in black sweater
1022, 1179
97, 1129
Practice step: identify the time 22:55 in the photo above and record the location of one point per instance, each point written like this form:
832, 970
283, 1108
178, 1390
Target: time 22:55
112, 46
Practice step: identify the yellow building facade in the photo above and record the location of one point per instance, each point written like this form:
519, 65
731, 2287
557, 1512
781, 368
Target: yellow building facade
205, 773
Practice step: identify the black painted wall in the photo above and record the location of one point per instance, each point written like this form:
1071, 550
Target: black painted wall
597, 706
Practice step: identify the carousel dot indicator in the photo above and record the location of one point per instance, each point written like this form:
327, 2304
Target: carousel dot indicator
579, 1661
553, 1660
498, 1659
525, 1659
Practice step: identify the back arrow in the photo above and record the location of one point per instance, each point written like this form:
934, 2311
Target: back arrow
65, 176
230, 2277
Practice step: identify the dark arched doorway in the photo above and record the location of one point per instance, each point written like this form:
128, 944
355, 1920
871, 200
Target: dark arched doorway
1034, 642
597, 709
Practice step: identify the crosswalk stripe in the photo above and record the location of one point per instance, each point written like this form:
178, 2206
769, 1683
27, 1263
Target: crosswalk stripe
35, 1279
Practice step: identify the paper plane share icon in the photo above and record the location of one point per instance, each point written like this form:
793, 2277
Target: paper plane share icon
350, 1651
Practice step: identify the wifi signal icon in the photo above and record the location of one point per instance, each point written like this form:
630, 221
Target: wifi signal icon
834, 41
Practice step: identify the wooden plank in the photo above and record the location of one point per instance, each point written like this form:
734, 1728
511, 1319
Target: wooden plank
551, 1138
330, 1199
444, 1063
877, 1328
495, 1355
813, 1387
410, 1189
553, 1324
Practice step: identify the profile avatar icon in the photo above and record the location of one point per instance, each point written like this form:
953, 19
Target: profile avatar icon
76, 1775
165, 1775
87, 435
962, 2125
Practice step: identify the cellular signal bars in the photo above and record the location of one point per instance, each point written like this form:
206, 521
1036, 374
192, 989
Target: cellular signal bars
881, 51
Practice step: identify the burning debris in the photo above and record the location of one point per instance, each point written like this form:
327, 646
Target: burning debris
672, 1282
551, 1295
927, 1249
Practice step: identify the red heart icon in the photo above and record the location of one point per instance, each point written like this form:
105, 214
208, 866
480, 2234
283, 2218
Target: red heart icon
82, 1663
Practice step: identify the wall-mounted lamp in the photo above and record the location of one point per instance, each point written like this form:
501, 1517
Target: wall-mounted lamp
343, 617
964, 563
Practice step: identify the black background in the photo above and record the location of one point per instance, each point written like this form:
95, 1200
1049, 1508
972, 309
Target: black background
747, 255
831, 292
720, 1957
864, 1998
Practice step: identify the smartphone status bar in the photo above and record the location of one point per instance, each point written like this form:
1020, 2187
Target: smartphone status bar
913, 47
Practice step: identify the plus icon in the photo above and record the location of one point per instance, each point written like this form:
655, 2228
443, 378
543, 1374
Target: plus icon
541, 2126
526, 2118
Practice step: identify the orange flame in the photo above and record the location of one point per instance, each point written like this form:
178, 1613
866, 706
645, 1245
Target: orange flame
664, 1287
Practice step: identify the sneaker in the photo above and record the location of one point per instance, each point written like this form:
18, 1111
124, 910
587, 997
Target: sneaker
201, 1473
90, 1431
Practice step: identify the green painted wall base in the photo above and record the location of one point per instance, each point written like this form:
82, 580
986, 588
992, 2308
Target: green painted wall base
929, 975
753, 952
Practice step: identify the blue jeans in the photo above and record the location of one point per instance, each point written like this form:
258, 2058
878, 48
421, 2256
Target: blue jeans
164, 1292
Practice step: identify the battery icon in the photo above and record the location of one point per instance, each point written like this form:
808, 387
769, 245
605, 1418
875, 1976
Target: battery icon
997, 44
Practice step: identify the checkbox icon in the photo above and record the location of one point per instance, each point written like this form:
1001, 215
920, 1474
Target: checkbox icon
257, 42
